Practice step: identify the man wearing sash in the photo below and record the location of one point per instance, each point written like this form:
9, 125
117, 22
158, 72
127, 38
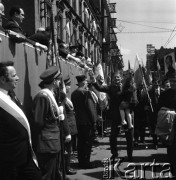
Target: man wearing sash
17, 159
46, 124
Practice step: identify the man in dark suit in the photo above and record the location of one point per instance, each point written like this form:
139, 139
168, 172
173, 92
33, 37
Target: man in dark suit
17, 159
46, 124
114, 92
42, 36
16, 18
86, 121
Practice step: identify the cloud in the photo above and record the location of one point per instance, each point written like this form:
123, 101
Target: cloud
125, 51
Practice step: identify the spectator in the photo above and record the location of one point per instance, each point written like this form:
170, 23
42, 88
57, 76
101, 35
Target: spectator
86, 121
70, 118
18, 160
42, 36
16, 18
45, 124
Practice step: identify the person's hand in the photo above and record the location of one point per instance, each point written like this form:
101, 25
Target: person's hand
61, 109
61, 117
68, 138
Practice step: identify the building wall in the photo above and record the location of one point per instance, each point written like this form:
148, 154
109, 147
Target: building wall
28, 24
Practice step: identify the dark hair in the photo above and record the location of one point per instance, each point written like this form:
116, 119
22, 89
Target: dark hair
14, 10
3, 68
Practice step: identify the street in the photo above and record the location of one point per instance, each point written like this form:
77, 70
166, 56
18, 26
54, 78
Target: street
148, 162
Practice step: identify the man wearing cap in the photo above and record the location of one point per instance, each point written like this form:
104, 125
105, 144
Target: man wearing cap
47, 115
72, 129
17, 158
86, 121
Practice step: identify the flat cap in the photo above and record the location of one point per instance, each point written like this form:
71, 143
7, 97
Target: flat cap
50, 73
67, 80
81, 78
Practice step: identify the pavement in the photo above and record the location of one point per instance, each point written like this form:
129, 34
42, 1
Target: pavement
148, 162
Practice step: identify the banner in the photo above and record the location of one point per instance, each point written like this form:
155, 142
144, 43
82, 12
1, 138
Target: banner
169, 65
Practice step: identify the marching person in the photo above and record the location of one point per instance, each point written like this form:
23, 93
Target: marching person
86, 121
46, 124
114, 91
17, 159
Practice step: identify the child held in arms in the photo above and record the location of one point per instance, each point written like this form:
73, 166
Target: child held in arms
129, 99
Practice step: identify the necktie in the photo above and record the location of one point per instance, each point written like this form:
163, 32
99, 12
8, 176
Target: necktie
14, 98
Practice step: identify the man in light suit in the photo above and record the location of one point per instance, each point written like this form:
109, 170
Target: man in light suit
17, 159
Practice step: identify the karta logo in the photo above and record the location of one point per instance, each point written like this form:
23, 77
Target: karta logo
137, 170
110, 167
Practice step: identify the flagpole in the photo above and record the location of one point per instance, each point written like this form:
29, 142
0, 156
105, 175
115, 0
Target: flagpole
158, 70
145, 86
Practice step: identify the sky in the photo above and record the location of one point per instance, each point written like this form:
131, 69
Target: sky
141, 22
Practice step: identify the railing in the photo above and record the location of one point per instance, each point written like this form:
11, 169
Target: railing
29, 63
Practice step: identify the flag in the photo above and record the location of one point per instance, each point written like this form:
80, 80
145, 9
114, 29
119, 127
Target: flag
158, 70
86, 12
68, 29
138, 77
94, 25
148, 77
99, 75
129, 67
158, 65
99, 71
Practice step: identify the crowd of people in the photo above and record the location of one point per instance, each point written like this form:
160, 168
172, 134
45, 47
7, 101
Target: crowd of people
61, 123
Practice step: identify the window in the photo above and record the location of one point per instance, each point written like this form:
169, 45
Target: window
74, 5
59, 27
45, 12
80, 9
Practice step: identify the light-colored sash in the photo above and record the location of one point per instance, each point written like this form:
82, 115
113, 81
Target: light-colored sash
52, 98
8, 105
